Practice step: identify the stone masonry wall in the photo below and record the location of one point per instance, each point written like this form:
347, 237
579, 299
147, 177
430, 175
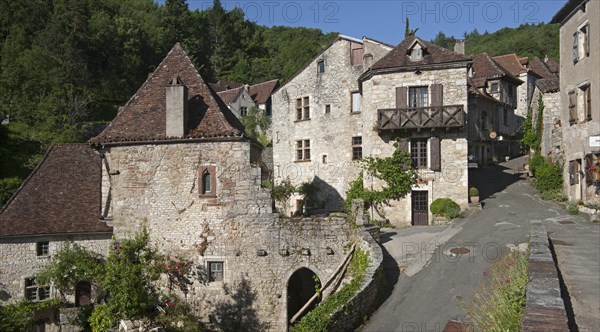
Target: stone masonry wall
157, 186
452, 181
19, 260
330, 134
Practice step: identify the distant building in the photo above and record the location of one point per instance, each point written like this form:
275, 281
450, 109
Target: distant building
579, 85
261, 94
238, 100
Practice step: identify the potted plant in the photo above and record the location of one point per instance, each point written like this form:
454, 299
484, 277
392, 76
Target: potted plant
474, 194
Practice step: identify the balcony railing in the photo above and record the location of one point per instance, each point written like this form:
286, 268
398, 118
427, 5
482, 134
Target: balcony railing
451, 116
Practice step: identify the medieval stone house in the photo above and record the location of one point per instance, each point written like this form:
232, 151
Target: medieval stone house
579, 84
238, 100
354, 100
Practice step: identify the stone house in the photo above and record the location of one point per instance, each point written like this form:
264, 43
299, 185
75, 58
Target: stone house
579, 81
493, 124
342, 106
58, 203
261, 94
317, 123
238, 100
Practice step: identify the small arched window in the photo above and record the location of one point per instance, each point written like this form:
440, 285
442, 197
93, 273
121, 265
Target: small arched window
206, 185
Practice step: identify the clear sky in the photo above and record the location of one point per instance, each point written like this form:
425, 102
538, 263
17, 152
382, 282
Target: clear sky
385, 19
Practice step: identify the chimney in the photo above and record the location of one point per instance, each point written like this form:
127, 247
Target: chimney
367, 60
176, 108
546, 58
459, 47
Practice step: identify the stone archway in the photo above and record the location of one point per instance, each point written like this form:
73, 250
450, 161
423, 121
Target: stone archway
302, 285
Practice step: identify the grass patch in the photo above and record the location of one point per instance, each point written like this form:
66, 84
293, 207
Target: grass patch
499, 304
319, 319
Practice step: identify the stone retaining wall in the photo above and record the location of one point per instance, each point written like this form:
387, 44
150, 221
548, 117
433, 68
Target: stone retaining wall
357, 310
545, 309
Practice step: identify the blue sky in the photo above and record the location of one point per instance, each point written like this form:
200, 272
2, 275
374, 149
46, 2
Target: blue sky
385, 20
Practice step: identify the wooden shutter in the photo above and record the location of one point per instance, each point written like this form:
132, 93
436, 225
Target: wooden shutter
435, 157
401, 97
437, 95
572, 107
587, 40
575, 47
573, 176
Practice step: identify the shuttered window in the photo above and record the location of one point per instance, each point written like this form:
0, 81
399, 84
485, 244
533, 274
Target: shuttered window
437, 95
573, 172
575, 47
435, 154
418, 97
587, 102
401, 97
572, 107
418, 153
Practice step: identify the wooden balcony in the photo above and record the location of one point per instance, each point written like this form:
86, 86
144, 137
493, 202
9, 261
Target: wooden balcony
438, 117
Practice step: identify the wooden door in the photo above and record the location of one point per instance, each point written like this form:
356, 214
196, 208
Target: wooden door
420, 215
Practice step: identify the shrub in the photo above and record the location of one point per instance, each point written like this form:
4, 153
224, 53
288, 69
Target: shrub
445, 207
554, 195
473, 192
536, 161
573, 209
548, 177
102, 318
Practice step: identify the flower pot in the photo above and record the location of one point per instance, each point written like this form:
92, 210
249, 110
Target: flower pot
475, 199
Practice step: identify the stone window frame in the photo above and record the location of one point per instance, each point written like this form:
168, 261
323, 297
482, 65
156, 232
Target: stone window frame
302, 108
42, 249
320, 66
302, 148
327, 109
583, 40
212, 172
34, 292
355, 108
586, 98
357, 152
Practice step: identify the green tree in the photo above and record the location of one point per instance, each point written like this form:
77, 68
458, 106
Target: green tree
256, 123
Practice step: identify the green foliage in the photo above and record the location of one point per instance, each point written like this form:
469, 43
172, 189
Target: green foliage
535, 162
527, 40
309, 190
573, 209
70, 265
548, 177
7, 187
473, 192
554, 195
445, 207
20, 316
397, 173
319, 319
256, 124
280, 192
102, 318
499, 305
532, 135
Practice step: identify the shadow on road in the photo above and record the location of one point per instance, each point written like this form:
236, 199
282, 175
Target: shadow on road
386, 237
490, 180
391, 269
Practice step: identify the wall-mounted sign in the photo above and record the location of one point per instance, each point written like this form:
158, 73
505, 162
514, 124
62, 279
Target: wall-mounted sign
594, 141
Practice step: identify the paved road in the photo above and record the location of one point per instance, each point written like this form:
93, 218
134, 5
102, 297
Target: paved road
431, 296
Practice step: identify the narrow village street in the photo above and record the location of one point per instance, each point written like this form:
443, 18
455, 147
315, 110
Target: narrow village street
432, 285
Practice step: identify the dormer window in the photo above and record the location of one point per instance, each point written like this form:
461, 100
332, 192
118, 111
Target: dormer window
416, 52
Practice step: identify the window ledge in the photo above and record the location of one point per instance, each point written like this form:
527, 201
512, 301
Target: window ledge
303, 161
354, 113
43, 257
302, 120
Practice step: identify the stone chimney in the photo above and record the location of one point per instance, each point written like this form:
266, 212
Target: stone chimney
367, 60
176, 108
459, 47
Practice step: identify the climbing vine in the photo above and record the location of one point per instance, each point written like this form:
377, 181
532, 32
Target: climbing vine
396, 172
532, 136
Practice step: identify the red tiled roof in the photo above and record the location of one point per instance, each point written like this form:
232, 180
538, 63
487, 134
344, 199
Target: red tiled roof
261, 92
511, 63
548, 85
62, 195
433, 54
143, 118
539, 67
229, 96
553, 66
484, 67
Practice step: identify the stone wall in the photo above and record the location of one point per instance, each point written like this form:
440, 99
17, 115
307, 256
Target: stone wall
330, 134
452, 181
157, 186
364, 303
19, 260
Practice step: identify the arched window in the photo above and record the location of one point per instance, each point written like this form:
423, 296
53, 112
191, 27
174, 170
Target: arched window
206, 182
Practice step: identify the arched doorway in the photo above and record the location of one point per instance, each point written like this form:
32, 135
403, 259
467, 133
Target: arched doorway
303, 284
83, 294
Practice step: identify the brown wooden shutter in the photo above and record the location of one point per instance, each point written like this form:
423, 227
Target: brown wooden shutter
402, 97
435, 156
573, 174
437, 95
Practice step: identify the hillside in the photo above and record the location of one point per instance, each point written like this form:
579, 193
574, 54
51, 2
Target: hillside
526, 40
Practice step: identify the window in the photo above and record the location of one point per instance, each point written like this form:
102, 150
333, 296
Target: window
575, 47
418, 152
357, 147
302, 109
321, 66
303, 150
572, 107
587, 102
243, 111
207, 179
418, 97
327, 109
35, 292
42, 248
215, 271
494, 88
355, 102
584, 41
324, 159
